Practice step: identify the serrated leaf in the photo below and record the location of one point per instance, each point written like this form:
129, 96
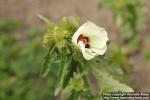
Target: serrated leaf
46, 66
108, 84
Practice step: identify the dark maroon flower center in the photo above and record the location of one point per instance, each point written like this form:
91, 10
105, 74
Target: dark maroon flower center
84, 39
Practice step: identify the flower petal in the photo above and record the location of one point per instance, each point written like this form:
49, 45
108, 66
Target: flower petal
98, 41
92, 29
77, 34
89, 29
99, 51
82, 46
87, 54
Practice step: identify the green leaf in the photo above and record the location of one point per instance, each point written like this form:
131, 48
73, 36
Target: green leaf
108, 84
112, 67
74, 95
76, 83
48, 58
62, 59
118, 56
65, 63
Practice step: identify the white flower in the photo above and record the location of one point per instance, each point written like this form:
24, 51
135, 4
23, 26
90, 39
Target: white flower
91, 39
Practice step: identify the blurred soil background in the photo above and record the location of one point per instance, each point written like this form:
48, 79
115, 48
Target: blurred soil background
27, 11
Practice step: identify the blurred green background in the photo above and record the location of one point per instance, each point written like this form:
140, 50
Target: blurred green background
21, 49
20, 64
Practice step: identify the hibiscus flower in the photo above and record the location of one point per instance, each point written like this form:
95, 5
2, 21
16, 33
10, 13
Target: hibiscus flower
91, 39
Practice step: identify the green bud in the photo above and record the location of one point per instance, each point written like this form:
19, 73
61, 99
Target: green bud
59, 33
48, 40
